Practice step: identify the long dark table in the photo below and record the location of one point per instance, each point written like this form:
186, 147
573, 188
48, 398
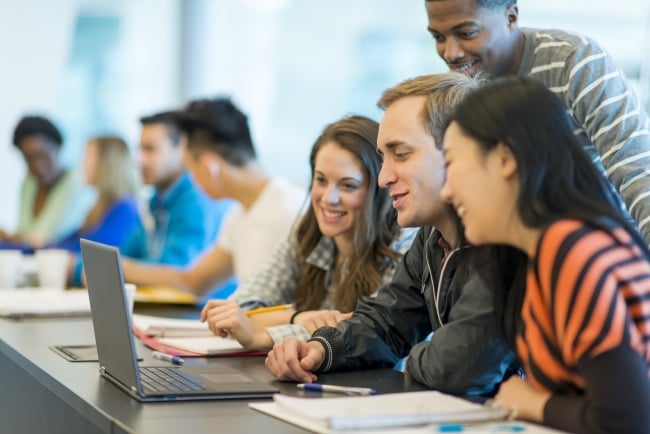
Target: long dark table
44, 393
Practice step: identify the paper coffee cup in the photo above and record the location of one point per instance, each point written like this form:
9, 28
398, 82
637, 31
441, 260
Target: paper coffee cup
52, 265
129, 291
10, 268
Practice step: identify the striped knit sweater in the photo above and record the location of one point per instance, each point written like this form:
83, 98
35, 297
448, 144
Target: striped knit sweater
606, 115
585, 333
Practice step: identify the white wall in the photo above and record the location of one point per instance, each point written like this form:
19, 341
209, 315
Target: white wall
34, 41
295, 66
290, 64
619, 27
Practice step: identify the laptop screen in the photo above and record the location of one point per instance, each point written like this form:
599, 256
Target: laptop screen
115, 344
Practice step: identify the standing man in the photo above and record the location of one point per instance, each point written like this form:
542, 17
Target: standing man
483, 35
222, 159
185, 220
441, 285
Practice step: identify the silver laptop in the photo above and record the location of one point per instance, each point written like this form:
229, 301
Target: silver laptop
116, 347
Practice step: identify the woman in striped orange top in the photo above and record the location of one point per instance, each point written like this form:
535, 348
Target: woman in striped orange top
579, 318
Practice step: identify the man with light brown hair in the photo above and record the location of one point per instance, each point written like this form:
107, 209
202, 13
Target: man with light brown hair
441, 285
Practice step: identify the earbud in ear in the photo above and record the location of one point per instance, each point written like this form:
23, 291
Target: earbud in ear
213, 168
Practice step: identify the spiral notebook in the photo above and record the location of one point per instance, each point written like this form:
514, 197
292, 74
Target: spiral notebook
410, 412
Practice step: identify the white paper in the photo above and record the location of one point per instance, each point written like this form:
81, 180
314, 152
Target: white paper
397, 408
43, 302
316, 414
207, 345
170, 327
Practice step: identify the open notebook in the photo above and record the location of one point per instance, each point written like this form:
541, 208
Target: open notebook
40, 302
185, 337
391, 413
169, 327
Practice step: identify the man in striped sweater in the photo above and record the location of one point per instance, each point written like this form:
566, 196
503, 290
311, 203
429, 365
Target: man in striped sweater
483, 36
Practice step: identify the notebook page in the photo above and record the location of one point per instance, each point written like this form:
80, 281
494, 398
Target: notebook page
400, 409
207, 345
170, 327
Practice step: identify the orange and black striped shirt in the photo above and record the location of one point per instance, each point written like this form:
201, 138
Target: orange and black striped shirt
587, 293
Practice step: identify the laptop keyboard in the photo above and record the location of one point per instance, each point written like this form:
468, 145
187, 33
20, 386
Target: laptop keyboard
166, 379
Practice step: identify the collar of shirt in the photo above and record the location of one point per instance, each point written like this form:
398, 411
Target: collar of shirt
163, 200
323, 254
446, 248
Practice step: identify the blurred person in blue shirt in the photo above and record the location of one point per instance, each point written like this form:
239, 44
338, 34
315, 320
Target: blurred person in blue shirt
185, 220
220, 154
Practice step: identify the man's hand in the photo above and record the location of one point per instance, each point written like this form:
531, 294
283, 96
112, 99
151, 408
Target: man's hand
295, 360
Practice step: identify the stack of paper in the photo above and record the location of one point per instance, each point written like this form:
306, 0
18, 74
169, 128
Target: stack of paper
399, 412
182, 337
170, 327
37, 302
205, 346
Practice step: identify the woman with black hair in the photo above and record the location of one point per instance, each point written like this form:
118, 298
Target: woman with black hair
53, 200
581, 321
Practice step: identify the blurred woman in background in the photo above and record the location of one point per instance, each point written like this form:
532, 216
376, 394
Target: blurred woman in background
53, 200
109, 168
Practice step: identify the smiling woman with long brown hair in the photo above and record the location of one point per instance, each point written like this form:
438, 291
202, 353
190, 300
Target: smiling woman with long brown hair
345, 247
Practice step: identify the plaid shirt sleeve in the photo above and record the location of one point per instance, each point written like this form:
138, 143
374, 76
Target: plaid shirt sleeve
274, 284
280, 332
401, 245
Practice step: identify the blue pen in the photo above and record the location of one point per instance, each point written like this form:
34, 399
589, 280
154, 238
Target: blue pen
452, 427
506, 427
167, 358
337, 389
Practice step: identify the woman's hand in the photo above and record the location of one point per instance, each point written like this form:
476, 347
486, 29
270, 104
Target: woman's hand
522, 400
225, 318
312, 320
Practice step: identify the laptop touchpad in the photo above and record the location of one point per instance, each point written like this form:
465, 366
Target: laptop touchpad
225, 378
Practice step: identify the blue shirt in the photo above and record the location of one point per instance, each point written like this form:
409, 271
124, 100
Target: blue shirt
114, 228
186, 222
117, 224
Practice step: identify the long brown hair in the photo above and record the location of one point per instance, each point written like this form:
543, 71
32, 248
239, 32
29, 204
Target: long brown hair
114, 176
374, 231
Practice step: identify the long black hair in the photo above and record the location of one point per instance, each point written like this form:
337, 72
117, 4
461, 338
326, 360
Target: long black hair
557, 177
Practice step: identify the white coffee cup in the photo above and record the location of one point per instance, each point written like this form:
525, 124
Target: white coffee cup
53, 267
10, 268
130, 290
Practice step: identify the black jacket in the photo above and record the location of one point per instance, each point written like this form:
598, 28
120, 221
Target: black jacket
464, 355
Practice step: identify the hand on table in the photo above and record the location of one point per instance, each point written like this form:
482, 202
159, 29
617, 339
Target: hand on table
295, 360
521, 399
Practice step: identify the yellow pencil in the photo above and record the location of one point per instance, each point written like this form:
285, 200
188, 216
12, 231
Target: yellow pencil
269, 309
